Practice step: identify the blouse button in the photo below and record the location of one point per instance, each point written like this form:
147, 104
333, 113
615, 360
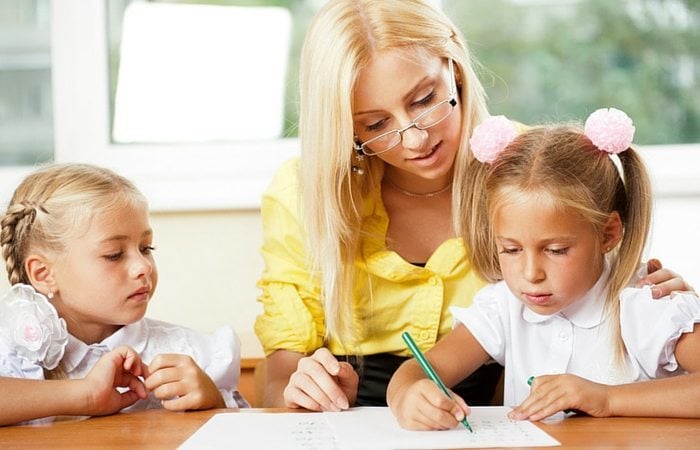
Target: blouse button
432, 281
563, 336
424, 335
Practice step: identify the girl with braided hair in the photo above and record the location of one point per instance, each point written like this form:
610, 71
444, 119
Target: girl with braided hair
78, 248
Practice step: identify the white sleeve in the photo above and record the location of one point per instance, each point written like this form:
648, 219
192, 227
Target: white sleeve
651, 328
224, 367
13, 366
485, 320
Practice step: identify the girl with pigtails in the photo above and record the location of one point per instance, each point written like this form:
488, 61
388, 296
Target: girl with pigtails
74, 341
561, 215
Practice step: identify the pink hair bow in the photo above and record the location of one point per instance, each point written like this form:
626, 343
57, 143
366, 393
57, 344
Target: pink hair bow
490, 137
609, 129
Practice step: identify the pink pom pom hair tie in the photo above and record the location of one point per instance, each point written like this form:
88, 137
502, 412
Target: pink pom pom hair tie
609, 129
490, 137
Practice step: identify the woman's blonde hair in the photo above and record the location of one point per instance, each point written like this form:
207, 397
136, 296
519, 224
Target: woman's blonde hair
342, 40
561, 161
54, 204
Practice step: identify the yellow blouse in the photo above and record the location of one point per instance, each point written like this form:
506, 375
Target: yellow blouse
392, 295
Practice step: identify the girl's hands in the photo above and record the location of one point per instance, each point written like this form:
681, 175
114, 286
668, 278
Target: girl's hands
423, 406
664, 281
120, 367
550, 394
181, 384
322, 383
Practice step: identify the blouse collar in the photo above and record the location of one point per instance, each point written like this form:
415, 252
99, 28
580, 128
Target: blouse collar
134, 335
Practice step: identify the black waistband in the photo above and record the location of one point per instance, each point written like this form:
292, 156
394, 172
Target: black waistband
375, 371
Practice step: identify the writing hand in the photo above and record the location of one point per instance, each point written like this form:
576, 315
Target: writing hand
120, 367
423, 406
550, 394
322, 383
179, 382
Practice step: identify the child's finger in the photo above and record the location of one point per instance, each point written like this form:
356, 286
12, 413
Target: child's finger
462, 404
134, 384
164, 360
161, 377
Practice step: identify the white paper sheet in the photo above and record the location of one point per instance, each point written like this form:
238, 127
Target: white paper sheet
360, 429
264, 431
376, 428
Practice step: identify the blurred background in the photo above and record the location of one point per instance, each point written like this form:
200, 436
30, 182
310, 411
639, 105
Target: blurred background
196, 102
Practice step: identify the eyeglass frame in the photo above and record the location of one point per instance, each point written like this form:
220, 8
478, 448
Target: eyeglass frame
451, 99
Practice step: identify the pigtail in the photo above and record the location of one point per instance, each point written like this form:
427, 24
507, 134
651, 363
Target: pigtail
634, 204
476, 223
637, 213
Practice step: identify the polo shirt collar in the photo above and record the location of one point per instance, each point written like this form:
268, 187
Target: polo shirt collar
588, 312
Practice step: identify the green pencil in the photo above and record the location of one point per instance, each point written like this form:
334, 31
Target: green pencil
428, 369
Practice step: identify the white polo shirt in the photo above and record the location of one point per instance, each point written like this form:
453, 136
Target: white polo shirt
578, 340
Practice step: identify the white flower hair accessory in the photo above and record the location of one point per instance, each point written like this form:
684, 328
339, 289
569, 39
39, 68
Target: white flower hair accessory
491, 136
31, 327
609, 129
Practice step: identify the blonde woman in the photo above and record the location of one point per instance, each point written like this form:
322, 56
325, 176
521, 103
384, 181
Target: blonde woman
360, 241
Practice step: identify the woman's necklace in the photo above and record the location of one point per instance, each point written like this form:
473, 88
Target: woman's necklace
417, 194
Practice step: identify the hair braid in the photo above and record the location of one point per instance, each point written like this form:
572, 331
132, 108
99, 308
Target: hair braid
14, 236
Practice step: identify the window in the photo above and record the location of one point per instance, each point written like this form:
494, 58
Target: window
543, 60
26, 114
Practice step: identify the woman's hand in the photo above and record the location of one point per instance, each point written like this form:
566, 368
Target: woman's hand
322, 383
663, 281
121, 367
550, 394
423, 406
181, 385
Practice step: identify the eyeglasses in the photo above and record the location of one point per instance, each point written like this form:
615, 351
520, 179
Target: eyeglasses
386, 141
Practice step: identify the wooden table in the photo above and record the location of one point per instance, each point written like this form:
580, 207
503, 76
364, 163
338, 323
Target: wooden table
160, 429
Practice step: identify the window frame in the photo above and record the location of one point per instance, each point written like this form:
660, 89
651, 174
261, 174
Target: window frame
222, 176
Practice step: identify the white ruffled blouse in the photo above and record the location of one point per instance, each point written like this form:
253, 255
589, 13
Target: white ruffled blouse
578, 340
30, 334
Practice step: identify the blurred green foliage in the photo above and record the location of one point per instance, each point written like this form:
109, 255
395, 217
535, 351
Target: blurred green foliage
560, 60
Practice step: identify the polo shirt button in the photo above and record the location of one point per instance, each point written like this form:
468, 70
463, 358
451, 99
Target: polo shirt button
432, 281
424, 335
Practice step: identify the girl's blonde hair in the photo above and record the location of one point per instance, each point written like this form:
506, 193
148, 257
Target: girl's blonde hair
54, 204
561, 161
342, 40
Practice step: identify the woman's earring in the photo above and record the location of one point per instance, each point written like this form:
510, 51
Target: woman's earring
50, 295
356, 167
359, 159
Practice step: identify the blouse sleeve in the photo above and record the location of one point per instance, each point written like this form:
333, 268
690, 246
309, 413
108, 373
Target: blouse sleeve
651, 328
224, 367
485, 321
13, 366
293, 317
